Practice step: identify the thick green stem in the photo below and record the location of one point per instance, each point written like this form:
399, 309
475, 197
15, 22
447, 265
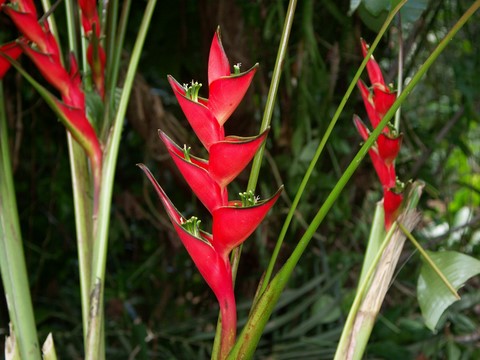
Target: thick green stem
12, 258
82, 197
102, 224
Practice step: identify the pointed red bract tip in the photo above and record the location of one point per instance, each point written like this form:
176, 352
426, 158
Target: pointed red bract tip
218, 65
373, 69
226, 93
361, 127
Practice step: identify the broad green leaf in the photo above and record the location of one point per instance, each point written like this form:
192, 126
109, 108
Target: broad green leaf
433, 295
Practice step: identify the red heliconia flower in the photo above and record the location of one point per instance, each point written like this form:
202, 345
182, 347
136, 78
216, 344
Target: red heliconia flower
384, 170
13, 51
391, 206
213, 267
383, 97
234, 223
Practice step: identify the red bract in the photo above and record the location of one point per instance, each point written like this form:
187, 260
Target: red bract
90, 16
391, 206
28, 25
229, 157
51, 70
385, 171
213, 267
201, 119
12, 50
42, 48
233, 224
226, 89
195, 172
388, 147
383, 97
385, 150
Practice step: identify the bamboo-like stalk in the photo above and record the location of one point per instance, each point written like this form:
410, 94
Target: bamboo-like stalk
99, 259
82, 194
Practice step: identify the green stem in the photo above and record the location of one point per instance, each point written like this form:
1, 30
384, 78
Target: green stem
321, 146
103, 220
375, 239
81, 188
12, 258
114, 51
400, 71
430, 262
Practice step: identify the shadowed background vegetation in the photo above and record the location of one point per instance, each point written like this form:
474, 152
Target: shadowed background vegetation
157, 305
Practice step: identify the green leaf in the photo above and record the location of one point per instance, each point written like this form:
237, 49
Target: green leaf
433, 295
